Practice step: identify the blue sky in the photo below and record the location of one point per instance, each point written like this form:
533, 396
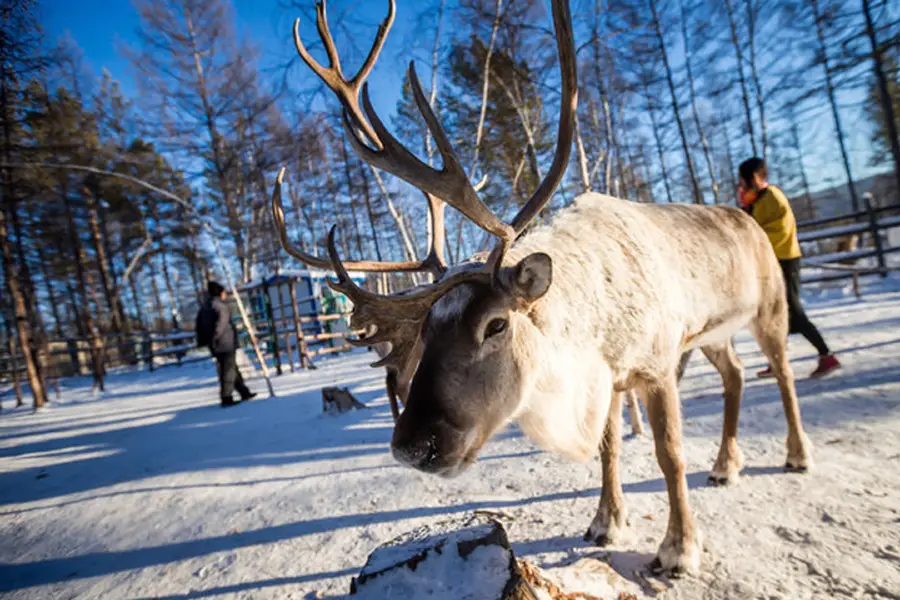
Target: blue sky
102, 27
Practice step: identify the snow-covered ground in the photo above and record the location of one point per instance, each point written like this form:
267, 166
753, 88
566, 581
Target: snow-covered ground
154, 491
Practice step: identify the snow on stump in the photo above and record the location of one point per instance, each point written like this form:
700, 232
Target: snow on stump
464, 558
469, 558
337, 400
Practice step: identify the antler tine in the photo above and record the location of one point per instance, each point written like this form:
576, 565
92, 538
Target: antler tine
451, 184
325, 34
377, 45
438, 233
325, 264
346, 90
397, 319
565, 44
281, 226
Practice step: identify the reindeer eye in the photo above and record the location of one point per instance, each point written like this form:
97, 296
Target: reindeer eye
495, 327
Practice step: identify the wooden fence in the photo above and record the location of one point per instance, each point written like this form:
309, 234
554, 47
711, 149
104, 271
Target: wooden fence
155, 350
846, 240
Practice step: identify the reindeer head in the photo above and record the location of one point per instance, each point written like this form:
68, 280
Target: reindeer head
474, 365
461, 345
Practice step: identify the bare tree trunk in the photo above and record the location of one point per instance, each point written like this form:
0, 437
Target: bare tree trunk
51, 293
479, 130
102, 263
736, 42
367, 196
234, 217
157, 298
695, 183
10, 270
408, 246
85, 288
170, 289
13, 354
604, 99
659, 147
582, 157
138, 305
829, 88
729, 157
617, 148
704, 143
351, 189
757, 84
795, 135
196, 276
887, 106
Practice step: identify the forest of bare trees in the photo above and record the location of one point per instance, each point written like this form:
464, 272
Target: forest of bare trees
674, 94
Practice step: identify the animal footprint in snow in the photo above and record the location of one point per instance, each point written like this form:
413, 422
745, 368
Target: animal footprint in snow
794, 536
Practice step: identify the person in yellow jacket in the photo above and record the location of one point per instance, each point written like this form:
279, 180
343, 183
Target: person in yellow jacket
768, 205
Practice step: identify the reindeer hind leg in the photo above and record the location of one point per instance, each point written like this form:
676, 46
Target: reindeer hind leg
730, 460
770, 329
634, 413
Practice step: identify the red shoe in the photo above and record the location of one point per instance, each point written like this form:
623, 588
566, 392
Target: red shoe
827, 364
766, 373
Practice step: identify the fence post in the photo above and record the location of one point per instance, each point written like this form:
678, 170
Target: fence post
302, 350
148, 350
273, 330
72, 347
873, 229
284, 325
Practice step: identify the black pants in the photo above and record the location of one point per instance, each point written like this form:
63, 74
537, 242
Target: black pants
798, 322
230, 378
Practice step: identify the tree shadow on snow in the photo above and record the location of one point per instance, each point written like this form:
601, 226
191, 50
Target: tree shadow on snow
252, 586
268, 432
96, 564
824, 403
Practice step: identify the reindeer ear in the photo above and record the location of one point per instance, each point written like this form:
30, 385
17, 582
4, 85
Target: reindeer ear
533, 276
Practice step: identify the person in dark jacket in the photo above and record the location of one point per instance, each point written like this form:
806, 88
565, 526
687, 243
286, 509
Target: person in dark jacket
215, 330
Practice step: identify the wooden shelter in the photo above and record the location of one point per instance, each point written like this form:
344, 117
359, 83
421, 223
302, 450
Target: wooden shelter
297, 316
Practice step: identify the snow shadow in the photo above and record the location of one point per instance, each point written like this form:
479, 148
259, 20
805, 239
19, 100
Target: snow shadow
825, 403
259, 586
96, 564
267, 432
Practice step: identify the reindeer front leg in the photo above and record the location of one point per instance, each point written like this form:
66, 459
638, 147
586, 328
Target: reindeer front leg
680, 549
611, 518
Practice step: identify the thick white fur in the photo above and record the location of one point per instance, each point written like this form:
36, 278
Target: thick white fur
634, 285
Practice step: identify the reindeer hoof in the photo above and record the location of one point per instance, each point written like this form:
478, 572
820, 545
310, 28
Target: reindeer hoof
789, 468
676, 572
601, 539
719, 481
677, 557
606, 529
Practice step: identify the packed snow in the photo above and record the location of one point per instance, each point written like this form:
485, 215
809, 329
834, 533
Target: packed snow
152, 490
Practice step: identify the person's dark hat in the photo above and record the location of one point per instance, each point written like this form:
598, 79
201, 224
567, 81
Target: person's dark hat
214, 289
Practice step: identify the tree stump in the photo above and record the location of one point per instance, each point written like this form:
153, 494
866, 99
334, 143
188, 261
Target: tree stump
337, 400
459, 558
470, 558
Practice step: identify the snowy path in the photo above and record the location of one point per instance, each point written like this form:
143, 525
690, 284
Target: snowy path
153, 491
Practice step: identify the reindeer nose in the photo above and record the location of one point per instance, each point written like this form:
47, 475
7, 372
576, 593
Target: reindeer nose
420, 454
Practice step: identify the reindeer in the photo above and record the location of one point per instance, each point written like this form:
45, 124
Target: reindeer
605, 298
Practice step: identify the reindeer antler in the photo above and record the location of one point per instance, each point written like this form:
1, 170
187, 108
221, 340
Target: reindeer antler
399, 318
433, 263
